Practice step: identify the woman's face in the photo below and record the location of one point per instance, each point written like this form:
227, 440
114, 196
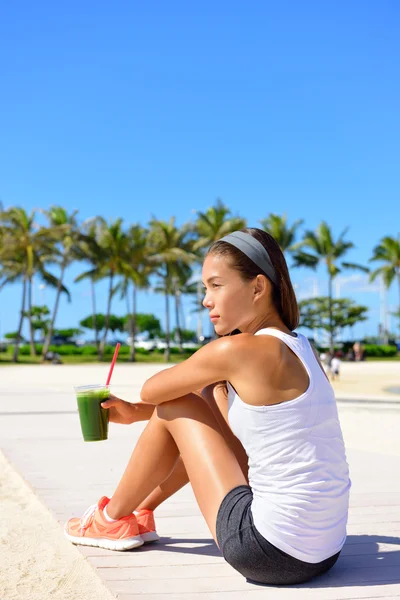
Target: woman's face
229, 299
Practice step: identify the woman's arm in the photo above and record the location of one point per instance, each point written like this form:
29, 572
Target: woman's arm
121, 411
214, 362
142, 411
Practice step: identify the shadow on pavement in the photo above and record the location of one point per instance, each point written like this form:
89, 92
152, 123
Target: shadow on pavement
370, 560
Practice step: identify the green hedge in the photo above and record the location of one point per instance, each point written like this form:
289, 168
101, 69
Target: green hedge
175, 350
378, 350
372, 350
89, 351
71, 350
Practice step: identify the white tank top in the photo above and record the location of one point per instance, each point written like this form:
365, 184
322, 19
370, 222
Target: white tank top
297, 463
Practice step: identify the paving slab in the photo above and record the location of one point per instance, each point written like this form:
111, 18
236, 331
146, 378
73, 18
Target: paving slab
40, 436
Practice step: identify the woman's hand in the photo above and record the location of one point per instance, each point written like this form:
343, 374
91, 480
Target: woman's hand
120, 411
126, 413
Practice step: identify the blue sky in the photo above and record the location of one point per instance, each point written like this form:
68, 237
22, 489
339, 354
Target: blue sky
135, 109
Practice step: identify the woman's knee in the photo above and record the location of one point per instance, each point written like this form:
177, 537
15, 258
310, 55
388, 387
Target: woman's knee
185, 406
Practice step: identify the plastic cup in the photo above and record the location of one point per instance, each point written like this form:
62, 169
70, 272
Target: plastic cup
93, 417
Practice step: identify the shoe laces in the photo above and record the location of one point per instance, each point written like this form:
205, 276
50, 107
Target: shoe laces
87, 518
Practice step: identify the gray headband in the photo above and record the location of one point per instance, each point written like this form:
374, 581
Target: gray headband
254, 250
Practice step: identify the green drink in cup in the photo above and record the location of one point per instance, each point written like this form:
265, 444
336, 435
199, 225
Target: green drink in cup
93, 417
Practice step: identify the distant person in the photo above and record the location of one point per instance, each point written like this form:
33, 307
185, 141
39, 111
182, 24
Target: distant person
327, 363
358, 351
335, 366
261, 444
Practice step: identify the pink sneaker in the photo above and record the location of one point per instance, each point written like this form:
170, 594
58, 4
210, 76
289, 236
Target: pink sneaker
147, 526
93, 529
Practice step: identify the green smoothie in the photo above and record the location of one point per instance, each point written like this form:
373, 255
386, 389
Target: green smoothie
93, 417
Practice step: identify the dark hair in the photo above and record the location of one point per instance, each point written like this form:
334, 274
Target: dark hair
283, 295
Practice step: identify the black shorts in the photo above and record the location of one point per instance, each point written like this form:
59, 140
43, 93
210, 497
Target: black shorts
249, 553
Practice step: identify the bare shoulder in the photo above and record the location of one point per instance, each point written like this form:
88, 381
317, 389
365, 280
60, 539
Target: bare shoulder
245, 347
240, 354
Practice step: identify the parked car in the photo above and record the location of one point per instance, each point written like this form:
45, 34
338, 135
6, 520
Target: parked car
4, 344
149, 345
191, 345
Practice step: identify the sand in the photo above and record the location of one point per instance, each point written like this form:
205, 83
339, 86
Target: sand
38, 563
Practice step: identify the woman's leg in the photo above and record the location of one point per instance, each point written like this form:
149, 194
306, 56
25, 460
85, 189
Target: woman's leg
218, 401
176, 480
186, 426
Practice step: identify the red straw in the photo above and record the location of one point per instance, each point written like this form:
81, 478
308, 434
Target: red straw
113, 363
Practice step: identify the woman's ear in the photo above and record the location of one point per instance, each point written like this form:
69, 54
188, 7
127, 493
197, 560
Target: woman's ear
260, 285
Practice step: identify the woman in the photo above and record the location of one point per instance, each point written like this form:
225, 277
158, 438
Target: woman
261, 444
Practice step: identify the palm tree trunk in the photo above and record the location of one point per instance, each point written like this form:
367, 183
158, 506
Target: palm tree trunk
177, 319
199, 314
51, 327
167, 337
21, 321
128, 308
133, 324
31, 332
93, 294
331, 340
103, 342
182, 312
398, 281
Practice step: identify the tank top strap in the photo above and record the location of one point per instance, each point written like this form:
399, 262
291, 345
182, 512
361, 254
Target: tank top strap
296, 341
301, 347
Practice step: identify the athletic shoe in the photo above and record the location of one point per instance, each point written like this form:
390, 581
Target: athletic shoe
93, 529
147, 526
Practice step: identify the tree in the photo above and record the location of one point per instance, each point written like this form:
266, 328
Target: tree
329, 252
67, 334
114, 323
388, 252
284, 235
39, 323
181, 276
12, 271
136, 275
64, 227
397, 315
214, 224
89, 250
95, 322
187, 335
330, 315
27, 249
110, 250
146, 323
11, 336
167, 246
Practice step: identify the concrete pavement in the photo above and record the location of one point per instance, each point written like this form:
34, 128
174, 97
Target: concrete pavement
41, 438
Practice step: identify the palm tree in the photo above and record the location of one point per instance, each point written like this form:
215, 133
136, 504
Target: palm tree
213, 224
34, 247
284, 235
13, 270
136, 274
64, 227
169, 245
397, 315
88, 250
325, 250
388, 252
110, 251
181, 275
